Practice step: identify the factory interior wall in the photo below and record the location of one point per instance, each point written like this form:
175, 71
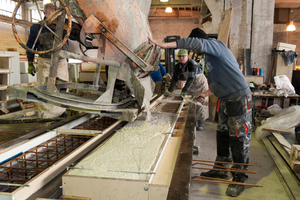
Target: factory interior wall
167, 27
8, 40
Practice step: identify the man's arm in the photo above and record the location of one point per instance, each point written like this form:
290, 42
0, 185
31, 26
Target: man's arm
174, 79
192, 68
169, 45
162, 69
31, 39
207, 46
207, 93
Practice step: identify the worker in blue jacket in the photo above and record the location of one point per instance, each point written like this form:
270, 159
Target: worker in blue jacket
228, 83
157, 77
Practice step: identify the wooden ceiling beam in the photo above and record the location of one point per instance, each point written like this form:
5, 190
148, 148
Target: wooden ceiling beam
287, 3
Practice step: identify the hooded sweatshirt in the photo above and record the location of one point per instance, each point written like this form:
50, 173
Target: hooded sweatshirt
224, 77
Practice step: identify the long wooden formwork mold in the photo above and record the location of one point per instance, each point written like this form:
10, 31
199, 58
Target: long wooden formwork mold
150, 187
108, 188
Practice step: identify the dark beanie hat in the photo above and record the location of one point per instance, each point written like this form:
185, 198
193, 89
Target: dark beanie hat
198, 33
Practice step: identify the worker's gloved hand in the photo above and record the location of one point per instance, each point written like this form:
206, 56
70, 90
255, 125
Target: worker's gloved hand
199, 98
182, 94
167, 93
31, 69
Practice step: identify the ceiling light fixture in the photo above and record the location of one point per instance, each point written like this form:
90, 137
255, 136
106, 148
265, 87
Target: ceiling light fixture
291, 27
164, 0
46, 1
168, 10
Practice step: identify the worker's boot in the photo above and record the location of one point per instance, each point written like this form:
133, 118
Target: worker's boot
234, 190
222, 175
223, 155
200, 125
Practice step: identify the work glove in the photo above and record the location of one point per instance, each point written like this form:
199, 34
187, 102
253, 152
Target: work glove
182, 94
167, 93
199, 98
31, 69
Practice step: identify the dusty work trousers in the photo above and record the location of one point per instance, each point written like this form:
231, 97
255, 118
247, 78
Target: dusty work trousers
158, 87
199, 86
234, 131
46, 110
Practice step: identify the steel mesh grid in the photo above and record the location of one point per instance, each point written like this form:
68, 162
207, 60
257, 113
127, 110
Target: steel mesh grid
26, 166
166, 107
97, 123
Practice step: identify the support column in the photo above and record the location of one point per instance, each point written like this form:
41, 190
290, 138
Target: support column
262, 34
240, 31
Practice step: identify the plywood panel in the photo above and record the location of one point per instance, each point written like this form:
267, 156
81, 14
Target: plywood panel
256, 79
104, 189
281, 68
286, 46
225, 26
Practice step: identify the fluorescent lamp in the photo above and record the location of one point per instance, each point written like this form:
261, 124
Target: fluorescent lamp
291, 27
168, 10
46, 1
164, 0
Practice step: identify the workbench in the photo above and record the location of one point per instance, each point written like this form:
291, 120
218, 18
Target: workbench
270, 96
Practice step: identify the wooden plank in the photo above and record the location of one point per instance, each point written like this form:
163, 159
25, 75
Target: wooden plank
31, 84
163, 175
295, 158
73, 198
25, 106
295, 165
224, 27
4, 110
290, 180
284, 154
295, 151
256, 79
286, 145
78, 131
180, 185
281, 68
286, 46
277, 130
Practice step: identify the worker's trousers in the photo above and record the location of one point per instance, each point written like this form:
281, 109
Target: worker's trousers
234, 131
46, 110
158, 87
200, 85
